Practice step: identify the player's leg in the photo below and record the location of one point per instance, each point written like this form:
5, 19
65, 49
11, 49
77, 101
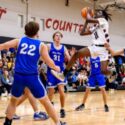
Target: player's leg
19, 101
39, 92
104, 99
22, 99
104, 95
51, 84
104, 67
17, 91
38, 115
62, 100
90, 84
10, 111
84, 52
51, 93
50, 109
82, 106
31, 99
101, 83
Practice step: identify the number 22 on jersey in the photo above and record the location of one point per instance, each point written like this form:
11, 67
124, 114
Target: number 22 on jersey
31, 49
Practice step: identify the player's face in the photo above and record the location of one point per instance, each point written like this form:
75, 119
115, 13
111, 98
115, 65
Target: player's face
57, 37
98, 14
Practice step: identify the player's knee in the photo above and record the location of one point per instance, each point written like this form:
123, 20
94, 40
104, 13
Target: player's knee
51, 93
13, 101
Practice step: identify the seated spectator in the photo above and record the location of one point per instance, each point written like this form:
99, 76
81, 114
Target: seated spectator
82, 78
72, 78
6, 80
111, 82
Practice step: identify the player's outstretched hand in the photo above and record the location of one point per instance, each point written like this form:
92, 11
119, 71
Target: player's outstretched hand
57, 68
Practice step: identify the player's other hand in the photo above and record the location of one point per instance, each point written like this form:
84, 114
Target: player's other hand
107, 45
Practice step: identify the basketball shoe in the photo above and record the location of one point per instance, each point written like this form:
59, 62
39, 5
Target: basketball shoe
80, 107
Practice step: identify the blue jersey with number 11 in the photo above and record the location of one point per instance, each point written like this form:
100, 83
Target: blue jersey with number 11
27, 56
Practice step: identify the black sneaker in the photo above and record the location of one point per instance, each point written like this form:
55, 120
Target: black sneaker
62, 113
80, 107
63, 123
106, 108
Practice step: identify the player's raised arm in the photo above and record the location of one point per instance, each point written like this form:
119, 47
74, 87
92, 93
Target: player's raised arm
9, 44
113, 53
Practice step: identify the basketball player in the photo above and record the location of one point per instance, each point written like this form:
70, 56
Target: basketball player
95, 77
100, 35
29, 50
57, 53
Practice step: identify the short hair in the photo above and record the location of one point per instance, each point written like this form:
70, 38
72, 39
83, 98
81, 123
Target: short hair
31, 28
57, 33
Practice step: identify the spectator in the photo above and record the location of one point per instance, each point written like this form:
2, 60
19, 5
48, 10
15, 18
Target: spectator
6, 80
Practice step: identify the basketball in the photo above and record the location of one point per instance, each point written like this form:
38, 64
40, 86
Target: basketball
85, 11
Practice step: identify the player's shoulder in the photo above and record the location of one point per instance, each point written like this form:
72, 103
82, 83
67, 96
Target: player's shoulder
102, 21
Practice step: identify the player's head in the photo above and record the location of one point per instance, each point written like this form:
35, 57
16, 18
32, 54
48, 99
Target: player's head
102, 13
31, 29
57, 35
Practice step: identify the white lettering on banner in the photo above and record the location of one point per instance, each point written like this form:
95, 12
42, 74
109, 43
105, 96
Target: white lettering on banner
62, 25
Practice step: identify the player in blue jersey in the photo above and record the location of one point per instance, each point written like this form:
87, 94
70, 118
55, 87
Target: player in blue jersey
29, 51
95, 77
57, 53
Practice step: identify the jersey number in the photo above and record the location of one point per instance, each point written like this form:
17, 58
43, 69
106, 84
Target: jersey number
96, 35
56, 57
31, 49
96, 65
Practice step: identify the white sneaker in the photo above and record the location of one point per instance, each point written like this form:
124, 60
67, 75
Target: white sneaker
58, 75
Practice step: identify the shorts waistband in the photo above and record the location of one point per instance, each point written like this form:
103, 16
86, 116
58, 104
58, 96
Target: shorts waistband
99, 45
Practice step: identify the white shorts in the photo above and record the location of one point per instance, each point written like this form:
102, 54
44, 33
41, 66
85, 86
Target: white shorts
98, 51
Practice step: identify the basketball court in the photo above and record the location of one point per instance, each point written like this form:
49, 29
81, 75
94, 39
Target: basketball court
93, 114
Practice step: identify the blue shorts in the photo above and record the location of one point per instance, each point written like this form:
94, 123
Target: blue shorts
53, 81
30, 81
96, 80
